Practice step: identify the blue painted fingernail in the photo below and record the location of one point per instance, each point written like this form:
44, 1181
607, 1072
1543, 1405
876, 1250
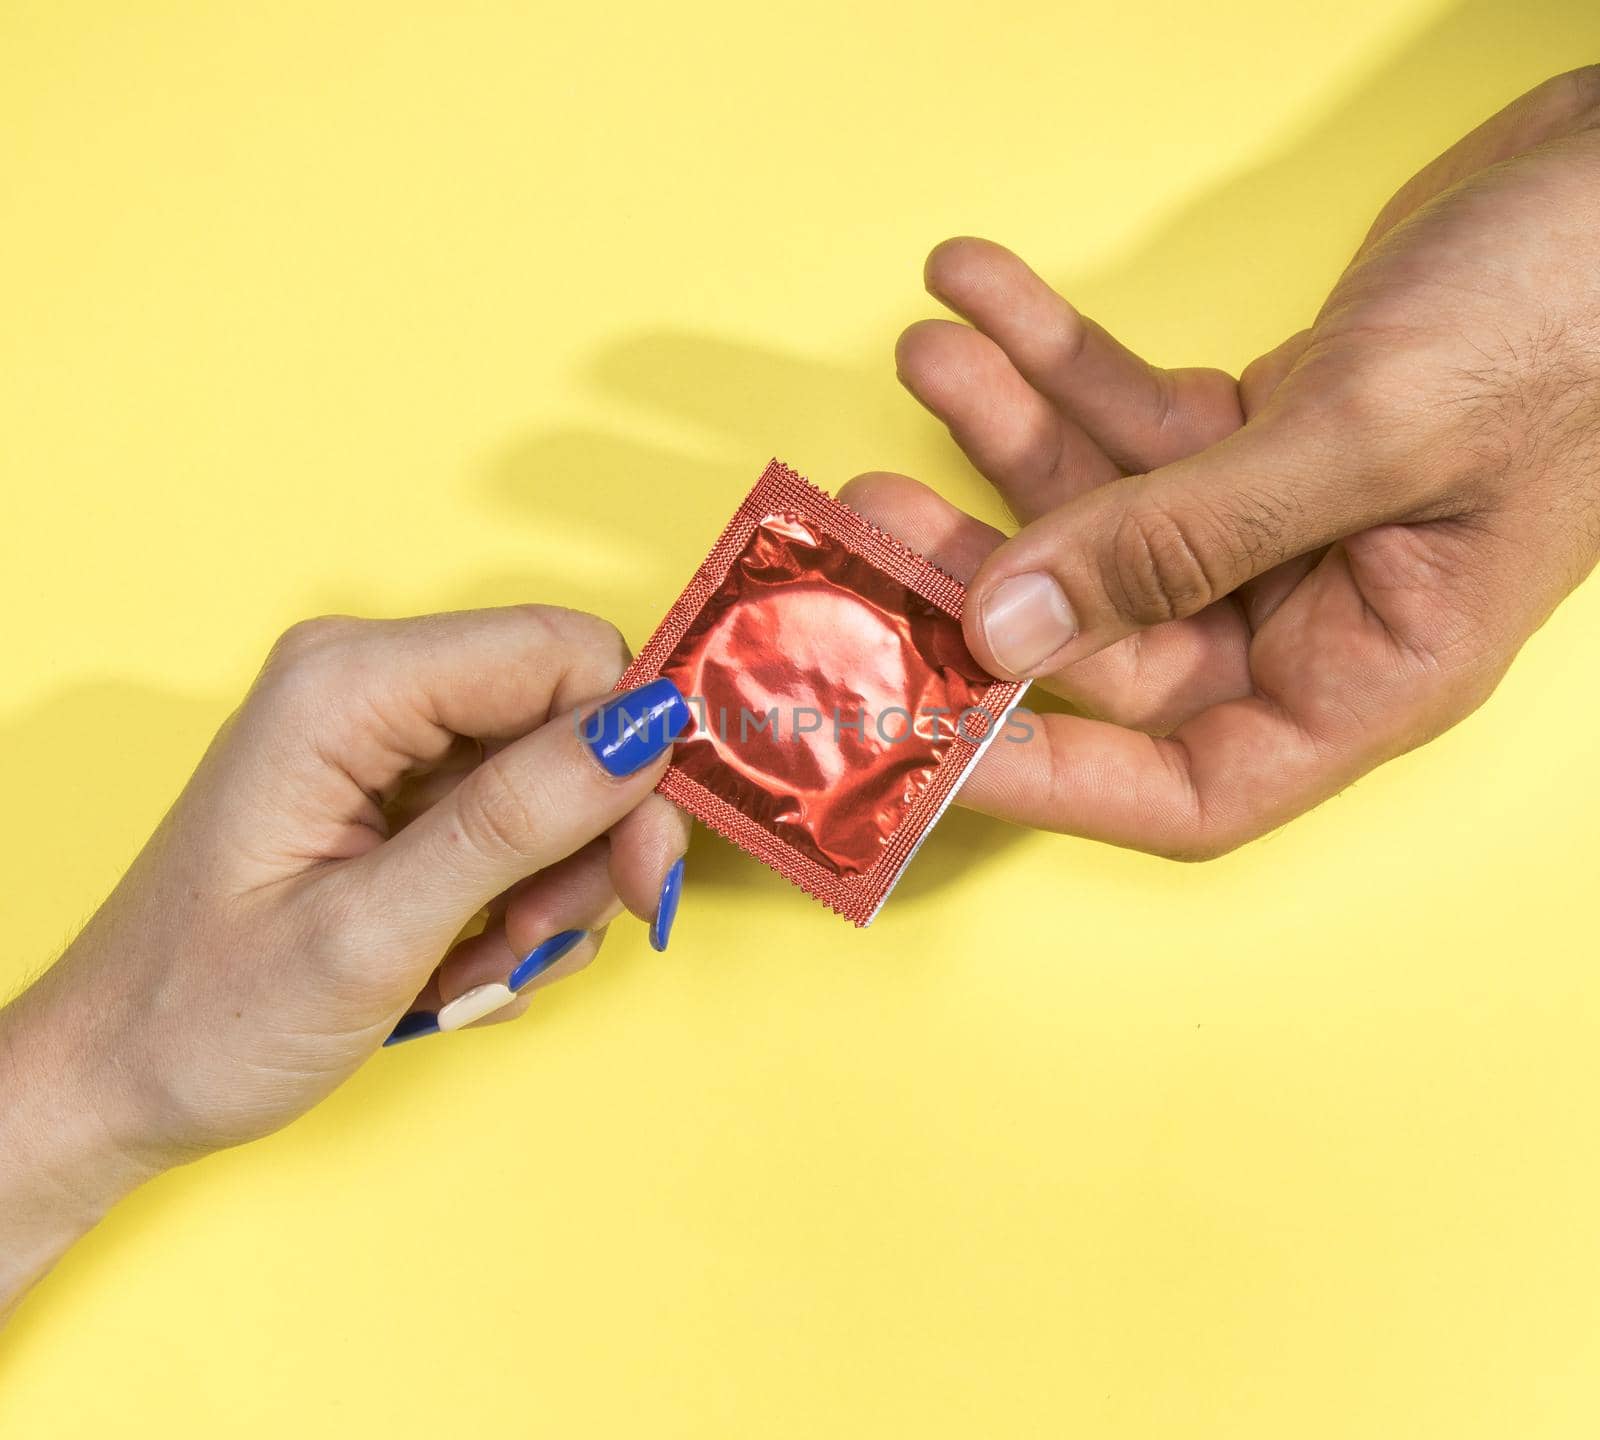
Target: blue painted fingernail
627, 733
413, 1027
667, 906
543, 957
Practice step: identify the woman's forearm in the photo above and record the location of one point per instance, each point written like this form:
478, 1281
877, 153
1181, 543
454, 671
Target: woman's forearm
61, 1168
281, 925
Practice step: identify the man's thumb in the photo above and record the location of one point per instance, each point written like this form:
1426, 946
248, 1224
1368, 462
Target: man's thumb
1151, 548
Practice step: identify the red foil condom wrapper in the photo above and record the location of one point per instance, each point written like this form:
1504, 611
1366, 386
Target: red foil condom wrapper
835, 706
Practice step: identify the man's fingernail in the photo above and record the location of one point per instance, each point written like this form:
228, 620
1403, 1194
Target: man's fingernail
1027, 619
627, 733
667, 906
413, 1027
477, 1002
542, 957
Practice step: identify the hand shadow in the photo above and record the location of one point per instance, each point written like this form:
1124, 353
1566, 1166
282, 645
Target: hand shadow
1268, 243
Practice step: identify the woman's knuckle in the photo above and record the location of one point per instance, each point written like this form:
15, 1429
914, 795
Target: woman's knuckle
591, 637
606, 641
313, 637
306, 659
496, 813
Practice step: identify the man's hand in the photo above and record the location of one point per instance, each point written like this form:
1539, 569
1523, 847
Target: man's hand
1266, 588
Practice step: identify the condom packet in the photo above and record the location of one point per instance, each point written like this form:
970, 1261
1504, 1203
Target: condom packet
835, 707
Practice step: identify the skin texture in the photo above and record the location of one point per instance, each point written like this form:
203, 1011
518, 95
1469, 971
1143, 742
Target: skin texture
1283, 580
399, 811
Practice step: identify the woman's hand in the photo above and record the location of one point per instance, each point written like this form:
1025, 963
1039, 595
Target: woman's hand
385, 786
1269, 586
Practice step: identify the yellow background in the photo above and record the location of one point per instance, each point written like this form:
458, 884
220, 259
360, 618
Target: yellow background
390, 308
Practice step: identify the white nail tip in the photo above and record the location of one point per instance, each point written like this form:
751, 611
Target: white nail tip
479, 1001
